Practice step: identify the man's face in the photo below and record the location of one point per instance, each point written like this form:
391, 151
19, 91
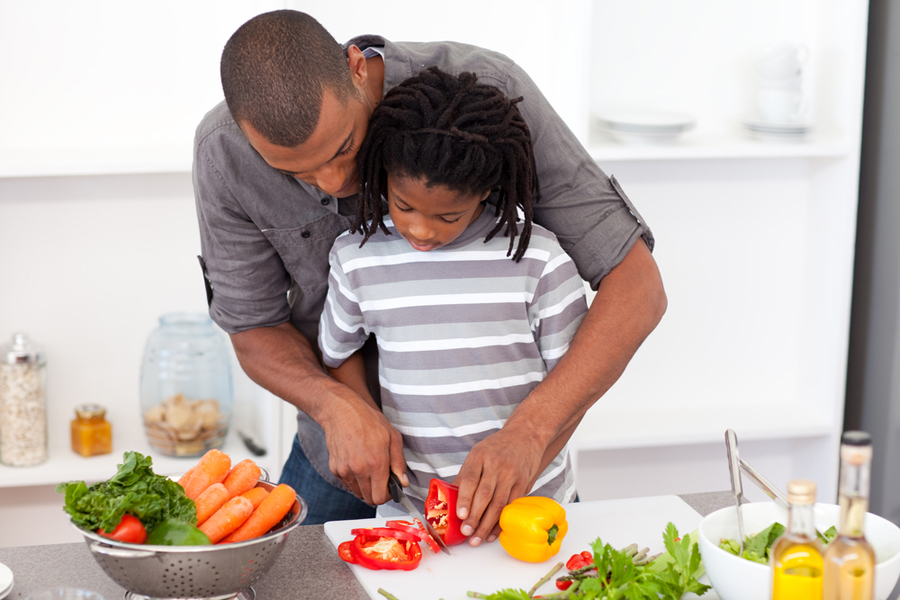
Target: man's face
327, 160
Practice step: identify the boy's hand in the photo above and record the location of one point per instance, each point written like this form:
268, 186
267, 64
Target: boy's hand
498, 469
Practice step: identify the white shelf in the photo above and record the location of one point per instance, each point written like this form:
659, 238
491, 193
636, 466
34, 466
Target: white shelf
711, 146
64, 465
605, 428
54, 162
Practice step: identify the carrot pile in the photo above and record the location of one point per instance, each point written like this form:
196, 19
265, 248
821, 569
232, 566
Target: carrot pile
230, 508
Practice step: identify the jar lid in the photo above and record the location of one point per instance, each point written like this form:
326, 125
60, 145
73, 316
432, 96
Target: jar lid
21, 350
801, 491
90, 411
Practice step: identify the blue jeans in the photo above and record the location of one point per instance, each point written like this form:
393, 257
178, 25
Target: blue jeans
324, 501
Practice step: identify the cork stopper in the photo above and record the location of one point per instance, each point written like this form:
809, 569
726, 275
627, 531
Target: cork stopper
801, 491
856, 447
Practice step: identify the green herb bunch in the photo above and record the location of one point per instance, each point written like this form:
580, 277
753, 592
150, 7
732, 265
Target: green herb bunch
135, 489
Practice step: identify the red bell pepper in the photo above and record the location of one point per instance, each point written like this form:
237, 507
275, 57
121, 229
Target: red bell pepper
418, 530
440, 510
376, 552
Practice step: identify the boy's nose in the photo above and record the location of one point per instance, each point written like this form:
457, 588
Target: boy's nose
419, 229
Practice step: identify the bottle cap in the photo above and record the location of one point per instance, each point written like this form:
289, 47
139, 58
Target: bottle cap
90, 411
856, 438
801, 491
20, 351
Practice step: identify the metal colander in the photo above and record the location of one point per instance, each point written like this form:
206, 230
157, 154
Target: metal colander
214, 572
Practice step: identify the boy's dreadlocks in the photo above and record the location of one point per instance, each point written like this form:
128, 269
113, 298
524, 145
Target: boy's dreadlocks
450, 131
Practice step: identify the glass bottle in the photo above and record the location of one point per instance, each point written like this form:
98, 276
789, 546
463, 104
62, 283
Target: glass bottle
186, 387
91, 432
23, 407
797, 555
849, 559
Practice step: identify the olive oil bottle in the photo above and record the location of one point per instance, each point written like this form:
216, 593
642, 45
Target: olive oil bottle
797, 555
849, 559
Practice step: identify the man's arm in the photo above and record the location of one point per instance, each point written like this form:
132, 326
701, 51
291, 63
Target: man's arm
630, 302
282, 360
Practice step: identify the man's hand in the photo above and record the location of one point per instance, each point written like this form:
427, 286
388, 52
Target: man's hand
497, 470
361, 443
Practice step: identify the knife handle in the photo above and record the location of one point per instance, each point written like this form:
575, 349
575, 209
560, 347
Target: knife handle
394, 486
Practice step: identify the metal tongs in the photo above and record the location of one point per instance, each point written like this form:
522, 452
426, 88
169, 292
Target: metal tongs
735, 465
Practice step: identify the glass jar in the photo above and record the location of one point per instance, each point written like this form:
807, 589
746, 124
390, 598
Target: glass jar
91, 432
186, 388
23, 407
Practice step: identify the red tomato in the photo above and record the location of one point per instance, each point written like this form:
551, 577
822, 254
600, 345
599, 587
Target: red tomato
130, 530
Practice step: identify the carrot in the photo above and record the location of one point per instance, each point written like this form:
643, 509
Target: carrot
267, 515
227, 519
210, 501
212, 468
242, 477
256, 495
183, 481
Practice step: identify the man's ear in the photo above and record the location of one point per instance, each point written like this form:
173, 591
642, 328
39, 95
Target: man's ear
357, 61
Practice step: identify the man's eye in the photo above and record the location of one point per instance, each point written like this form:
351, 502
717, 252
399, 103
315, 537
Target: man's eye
347, 150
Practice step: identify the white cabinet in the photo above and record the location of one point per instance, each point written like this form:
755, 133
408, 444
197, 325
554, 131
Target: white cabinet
755, 241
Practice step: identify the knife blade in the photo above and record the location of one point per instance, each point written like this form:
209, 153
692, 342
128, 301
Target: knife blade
399, 496
737, 488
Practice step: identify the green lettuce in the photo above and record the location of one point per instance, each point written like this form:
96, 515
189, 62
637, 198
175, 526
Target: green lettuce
135, 489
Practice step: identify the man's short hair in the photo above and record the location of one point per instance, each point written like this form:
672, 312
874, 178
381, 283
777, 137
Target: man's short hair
274, 70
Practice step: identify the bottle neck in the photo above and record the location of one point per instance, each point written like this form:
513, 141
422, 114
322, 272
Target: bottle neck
853, 497
801, 520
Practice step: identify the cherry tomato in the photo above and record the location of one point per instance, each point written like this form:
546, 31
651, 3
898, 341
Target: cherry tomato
130, 530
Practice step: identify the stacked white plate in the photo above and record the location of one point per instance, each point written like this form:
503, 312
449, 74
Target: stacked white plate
645, 126
776, 131
6, 581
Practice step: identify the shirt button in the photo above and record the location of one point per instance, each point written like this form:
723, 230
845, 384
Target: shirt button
326, 201
305, 234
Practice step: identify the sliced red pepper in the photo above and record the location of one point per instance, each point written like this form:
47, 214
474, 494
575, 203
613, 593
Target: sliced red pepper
418, 530
385, 553
345, 551
440, 510
390, 532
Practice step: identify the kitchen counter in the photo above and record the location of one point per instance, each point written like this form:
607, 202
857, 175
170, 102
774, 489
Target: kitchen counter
308, 567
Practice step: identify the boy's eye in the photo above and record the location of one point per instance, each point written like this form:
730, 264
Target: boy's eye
445, 220
402, 209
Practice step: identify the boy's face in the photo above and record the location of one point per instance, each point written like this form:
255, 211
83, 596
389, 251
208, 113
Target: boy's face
327, 160
430, 217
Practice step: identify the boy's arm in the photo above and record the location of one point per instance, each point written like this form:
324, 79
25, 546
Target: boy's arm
352, 373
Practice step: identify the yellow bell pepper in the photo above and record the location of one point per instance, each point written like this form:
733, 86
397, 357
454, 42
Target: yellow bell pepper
533, 528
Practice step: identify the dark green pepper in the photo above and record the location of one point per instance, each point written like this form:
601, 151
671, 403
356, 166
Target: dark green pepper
173, 532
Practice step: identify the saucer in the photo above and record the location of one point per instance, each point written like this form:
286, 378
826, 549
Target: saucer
772, 130
6, 580
645, 125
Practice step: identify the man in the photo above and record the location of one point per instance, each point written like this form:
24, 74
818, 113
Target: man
275, 182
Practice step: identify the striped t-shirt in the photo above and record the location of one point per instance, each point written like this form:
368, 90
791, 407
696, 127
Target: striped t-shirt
464, 333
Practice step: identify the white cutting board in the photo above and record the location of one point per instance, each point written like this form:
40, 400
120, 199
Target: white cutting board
488, 568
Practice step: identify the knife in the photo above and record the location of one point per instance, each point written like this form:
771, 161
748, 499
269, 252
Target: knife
399, 496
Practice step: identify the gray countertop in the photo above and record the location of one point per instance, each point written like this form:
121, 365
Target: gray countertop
308, 567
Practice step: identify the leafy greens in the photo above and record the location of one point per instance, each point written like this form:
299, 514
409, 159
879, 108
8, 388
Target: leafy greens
757, 547
135, 489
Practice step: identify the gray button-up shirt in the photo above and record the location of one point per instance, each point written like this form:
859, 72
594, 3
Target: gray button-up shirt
265, 236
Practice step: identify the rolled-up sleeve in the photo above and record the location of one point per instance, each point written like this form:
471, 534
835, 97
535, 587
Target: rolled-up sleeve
593, 219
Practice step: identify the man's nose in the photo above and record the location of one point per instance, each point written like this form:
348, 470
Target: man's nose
330, 178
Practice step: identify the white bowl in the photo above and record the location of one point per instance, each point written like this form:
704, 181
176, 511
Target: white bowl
735, 578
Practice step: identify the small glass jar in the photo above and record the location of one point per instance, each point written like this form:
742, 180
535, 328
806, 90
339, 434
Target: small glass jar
91, 432
186, 387
23, 407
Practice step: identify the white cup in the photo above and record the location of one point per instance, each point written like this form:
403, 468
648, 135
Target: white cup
781, 104
781, 61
